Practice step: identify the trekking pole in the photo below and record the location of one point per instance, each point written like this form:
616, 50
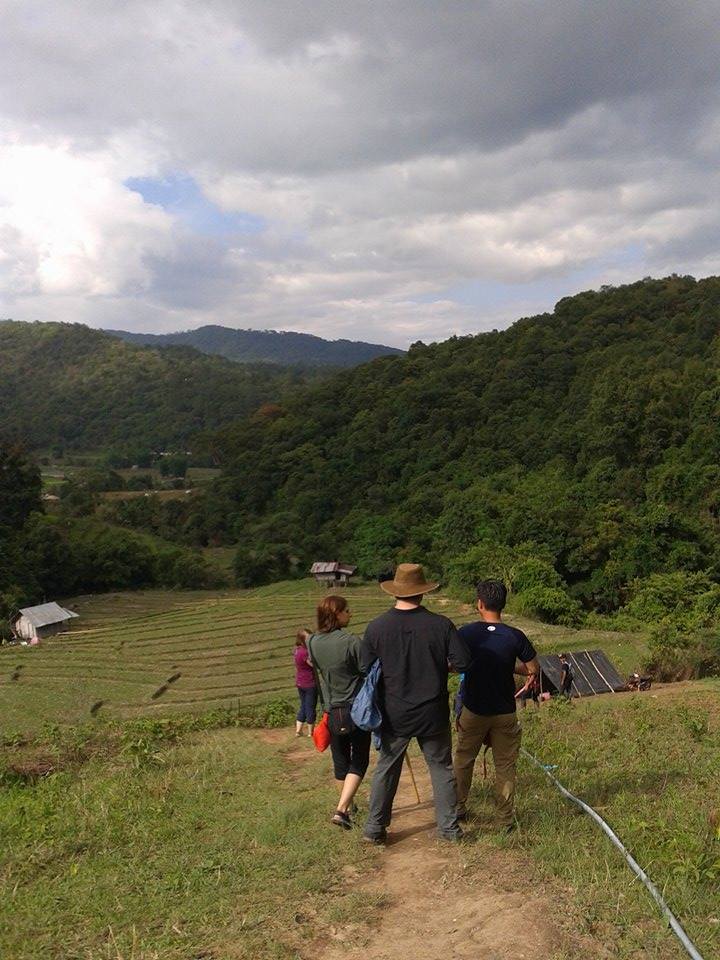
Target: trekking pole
412, 777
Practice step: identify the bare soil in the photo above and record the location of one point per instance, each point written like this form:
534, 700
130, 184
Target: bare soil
436, 901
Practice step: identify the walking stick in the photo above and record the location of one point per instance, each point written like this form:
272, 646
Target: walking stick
412, 777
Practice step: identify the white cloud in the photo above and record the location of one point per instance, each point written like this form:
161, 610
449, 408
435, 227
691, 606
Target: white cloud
70, 225
394, 152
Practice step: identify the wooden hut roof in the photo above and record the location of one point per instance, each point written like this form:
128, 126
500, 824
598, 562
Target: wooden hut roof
333, 566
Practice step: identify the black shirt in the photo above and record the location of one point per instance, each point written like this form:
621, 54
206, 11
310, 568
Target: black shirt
489, 684
414, 647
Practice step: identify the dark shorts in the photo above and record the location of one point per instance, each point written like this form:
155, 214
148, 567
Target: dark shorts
350, 753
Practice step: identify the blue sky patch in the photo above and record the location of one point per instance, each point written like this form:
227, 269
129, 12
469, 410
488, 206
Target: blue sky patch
181, 196
491, 294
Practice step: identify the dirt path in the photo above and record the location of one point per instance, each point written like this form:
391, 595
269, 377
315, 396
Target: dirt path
439, 902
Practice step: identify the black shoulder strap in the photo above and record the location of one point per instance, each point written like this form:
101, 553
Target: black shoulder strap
318, 680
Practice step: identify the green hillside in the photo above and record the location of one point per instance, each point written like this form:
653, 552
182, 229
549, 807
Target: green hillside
585, 439
65, 385
268, 346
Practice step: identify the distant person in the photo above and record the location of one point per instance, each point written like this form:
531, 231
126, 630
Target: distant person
415, 648
530, 691
566, 677
488, 699
305, 683
335, 654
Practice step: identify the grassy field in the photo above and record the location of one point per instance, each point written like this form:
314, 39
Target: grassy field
139, 840
227, 647
146, 850
650, 765
129, 837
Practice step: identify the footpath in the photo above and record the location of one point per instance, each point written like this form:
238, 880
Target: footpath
455, 901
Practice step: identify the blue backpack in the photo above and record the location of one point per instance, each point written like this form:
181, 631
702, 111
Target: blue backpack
365, 711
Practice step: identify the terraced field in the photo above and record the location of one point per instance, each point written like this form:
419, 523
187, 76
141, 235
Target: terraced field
225, 646
221, 648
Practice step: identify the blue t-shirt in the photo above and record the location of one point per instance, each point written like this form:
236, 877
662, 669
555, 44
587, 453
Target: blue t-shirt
489, 684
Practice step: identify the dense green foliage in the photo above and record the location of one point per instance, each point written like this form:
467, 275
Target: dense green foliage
67, 386
45, 556
586, 438
268, 346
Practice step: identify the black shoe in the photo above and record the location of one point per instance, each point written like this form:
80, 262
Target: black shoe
452, 837
341, 819
379, 840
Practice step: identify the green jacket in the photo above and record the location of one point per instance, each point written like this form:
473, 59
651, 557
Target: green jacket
336, 659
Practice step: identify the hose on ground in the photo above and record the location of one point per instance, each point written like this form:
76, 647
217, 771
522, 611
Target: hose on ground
632, 862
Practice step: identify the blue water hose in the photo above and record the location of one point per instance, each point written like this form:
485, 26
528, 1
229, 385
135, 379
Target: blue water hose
634, 865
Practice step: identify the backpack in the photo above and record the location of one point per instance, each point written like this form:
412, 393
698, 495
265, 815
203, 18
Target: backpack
365, 711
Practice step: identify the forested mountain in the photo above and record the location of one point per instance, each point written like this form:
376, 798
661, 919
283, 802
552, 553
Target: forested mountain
586, 439
69, 386
268, 346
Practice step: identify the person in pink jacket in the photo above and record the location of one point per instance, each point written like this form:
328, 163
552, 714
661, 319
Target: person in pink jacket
305, 683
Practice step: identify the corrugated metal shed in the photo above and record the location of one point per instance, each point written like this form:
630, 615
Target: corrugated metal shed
593, 673
46, 614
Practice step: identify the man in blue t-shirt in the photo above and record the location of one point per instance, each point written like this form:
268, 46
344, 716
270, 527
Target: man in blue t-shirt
488, 698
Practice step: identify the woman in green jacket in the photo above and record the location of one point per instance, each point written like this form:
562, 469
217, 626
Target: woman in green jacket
335, 654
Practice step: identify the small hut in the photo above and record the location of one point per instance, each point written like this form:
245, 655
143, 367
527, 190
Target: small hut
593, 673
34, 623
333, 574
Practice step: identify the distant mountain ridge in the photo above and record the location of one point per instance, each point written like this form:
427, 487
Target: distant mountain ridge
267, 346
69, 386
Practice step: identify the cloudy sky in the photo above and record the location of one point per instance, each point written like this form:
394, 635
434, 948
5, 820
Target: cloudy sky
385, 171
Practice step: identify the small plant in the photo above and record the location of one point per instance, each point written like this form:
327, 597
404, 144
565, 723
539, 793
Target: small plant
278, 713
696, 722
12, 739
559, 706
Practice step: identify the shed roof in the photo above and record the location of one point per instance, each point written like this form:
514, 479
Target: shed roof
332, 567
592, 672
46, 614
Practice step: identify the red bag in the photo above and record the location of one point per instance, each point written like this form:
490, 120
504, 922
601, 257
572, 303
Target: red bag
321, 734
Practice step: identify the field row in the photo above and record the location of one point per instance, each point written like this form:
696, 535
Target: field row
219, 647
227, 647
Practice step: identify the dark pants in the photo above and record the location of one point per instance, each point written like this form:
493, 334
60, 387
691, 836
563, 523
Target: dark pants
350, 753
566, 689
437, 750
308, 703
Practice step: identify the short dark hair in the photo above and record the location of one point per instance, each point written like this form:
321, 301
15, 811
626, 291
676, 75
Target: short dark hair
493, 594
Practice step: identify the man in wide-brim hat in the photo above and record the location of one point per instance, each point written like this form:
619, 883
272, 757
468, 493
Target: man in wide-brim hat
416, 649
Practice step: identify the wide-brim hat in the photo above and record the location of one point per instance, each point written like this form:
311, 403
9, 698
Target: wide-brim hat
409, 581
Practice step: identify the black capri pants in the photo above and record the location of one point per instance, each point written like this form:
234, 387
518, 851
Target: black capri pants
350, 752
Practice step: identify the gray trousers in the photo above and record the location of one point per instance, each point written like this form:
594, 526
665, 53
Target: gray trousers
437, 751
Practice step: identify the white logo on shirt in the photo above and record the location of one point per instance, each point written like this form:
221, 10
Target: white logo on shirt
491, 628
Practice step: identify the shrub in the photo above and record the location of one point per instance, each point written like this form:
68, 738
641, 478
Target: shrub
681, 649
550, 604
532, 572
489, 559
661, 594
